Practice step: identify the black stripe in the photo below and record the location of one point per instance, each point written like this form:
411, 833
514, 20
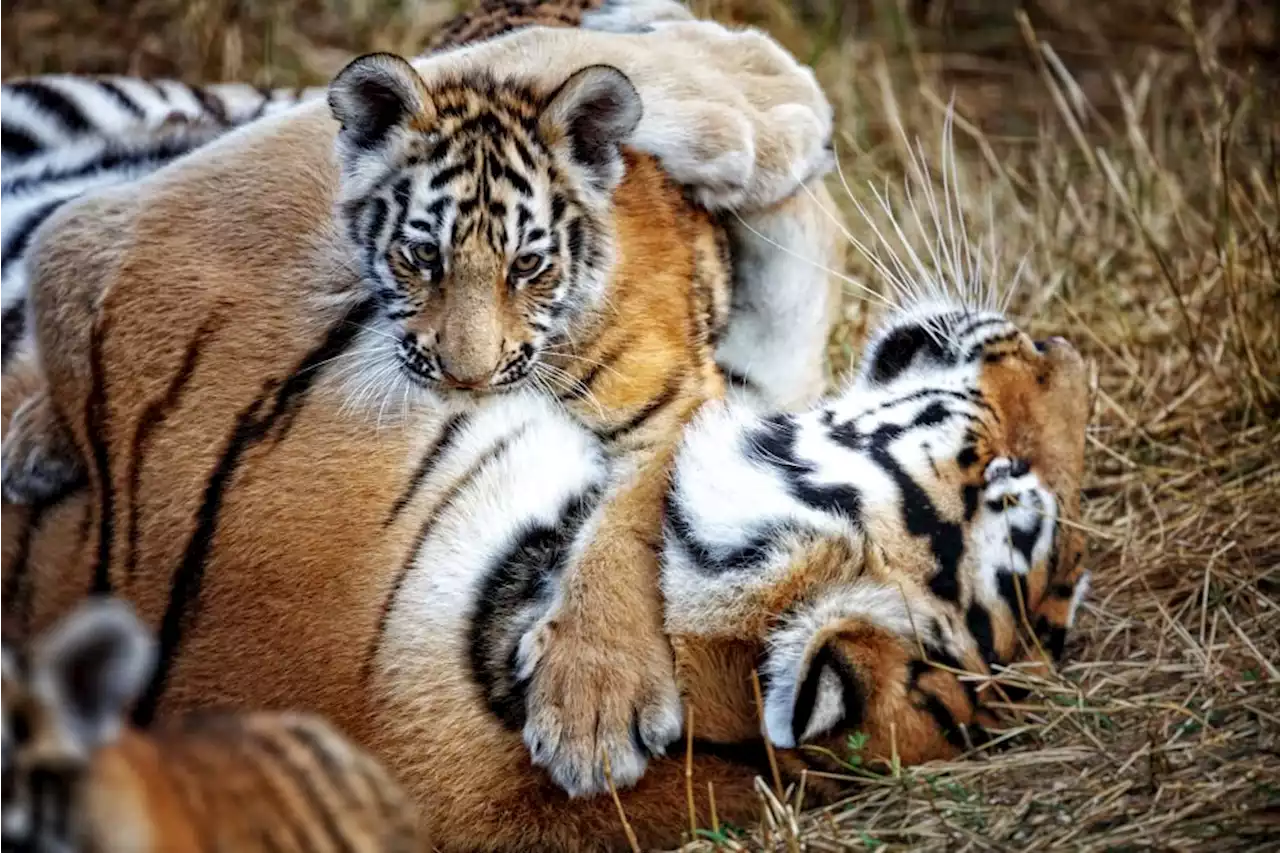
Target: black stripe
587, 381
445, 175
749, 754
679, 527
898, 350
96, 426
120, 96
265, 94
1062, 590
303, 782
980, 323
378, 213
807, 694
51, 101
978, 621
211, 105
112, 157
919, 515
13, 325
1013, 589
444, 441
636, 421
518, 181
943, 718
297, 388
774, 445
977, 349
389, 603
510, 590
18, 584
152, 416
161, 91
969, 495
334, 769
254, 424
16, 246
1053, 637
1023, 540
17, 143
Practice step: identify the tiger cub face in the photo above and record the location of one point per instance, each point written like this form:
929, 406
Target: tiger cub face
479, 212
65, 699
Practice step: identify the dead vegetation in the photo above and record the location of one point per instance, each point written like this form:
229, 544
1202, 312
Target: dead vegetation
1129, 153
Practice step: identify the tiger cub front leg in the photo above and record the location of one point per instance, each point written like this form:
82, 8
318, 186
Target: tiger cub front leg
599, 667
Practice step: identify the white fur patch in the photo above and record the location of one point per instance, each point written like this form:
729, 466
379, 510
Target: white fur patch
631, 16
526, 484
1083, 586
782, 300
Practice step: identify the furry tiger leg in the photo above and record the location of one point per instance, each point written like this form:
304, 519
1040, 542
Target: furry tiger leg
785, 298
600, 667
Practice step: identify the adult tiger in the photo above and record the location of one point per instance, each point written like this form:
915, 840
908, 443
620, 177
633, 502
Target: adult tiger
760, 127
400, 585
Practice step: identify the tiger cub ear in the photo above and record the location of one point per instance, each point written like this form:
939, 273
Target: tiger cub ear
374, 94
824, 658
91, 668
589, 118
809, 691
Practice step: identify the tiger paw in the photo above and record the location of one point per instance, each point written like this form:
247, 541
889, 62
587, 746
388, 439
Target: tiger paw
764, 132
590, 697
38, 461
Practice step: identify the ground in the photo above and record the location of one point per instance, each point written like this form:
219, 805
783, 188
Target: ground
1128, 154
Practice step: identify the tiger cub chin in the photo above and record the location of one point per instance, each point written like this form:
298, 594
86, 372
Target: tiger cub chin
509, 240
76, 777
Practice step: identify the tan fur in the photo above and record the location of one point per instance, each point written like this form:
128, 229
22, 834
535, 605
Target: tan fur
183, 338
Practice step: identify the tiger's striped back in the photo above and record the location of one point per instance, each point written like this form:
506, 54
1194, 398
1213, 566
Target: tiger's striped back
41, 114
75, 779
62, 136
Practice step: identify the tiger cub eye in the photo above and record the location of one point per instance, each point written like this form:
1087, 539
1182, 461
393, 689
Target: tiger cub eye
526, 264
425, 254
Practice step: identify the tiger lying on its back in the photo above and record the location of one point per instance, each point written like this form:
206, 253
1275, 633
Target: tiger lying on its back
77, 778
625, 313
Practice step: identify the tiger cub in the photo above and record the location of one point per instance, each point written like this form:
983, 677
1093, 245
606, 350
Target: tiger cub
510, 241
76, 778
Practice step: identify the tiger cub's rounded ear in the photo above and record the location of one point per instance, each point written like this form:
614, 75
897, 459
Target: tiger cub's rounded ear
373, 94
589, 118
815, 669
91, 668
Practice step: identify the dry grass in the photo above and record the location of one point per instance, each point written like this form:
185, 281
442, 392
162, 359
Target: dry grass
1130, 152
